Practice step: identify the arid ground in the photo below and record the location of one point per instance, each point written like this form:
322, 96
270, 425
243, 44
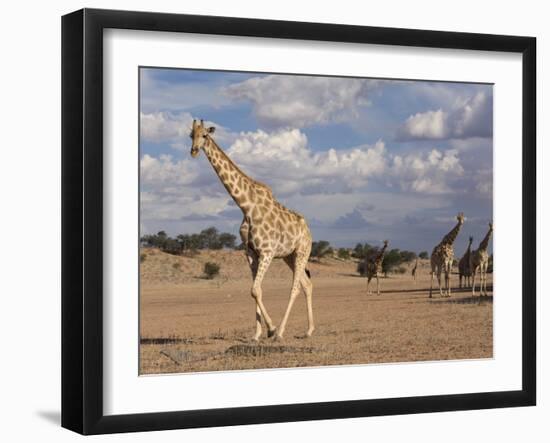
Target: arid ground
190, 324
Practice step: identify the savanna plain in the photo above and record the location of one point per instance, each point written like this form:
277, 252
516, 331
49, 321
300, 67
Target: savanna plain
192, 324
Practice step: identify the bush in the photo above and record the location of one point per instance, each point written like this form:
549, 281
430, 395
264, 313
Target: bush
424, 255
344, 254
142, 257
400, 270
176, 265
211, 270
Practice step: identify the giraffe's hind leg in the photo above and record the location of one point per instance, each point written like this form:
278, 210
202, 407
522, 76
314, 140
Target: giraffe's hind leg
307, 288
300, 261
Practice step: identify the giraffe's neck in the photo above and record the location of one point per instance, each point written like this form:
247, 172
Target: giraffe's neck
381, 253
449, 239
239, 185
485, 242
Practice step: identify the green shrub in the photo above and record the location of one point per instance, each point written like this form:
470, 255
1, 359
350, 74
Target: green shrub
344, 254
211, 270
423, 255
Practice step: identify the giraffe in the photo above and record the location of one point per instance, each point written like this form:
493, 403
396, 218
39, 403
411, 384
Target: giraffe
268, 231
413, 272
479, 261
374, 267
464, 270
443, 256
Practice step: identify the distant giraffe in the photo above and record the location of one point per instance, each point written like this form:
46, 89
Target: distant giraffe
479, 262
413, 272
374, 267
464, 270
268, 230
443, 256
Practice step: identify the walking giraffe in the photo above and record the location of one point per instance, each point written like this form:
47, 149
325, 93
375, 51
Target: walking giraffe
374, 267
442, 257
479, 262
464, 270
413, 272
268, 230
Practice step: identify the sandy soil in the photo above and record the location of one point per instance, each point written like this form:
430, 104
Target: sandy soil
188, 323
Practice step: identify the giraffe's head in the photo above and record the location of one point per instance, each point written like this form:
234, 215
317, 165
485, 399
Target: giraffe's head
460, 218
471, 239
199, 136
490, 226
386, 243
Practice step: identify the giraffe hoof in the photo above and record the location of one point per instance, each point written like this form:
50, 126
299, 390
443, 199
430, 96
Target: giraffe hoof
271, 332
278, 338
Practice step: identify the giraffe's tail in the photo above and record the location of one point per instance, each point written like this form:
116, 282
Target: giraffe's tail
308, 274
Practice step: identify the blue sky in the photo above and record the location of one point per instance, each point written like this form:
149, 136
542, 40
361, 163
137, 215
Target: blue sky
361, 159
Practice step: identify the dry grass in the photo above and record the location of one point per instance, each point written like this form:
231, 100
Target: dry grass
189, 324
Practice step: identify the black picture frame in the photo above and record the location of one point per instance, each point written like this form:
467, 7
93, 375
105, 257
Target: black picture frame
82, 219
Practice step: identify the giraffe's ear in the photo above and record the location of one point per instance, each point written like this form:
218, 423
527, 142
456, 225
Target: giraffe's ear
211, 129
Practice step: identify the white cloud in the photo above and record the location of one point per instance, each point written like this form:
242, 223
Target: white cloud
165, 126
468, 117
284, 159
174, 129
163, 170
430, 124
298, 101
323, 185
430, 173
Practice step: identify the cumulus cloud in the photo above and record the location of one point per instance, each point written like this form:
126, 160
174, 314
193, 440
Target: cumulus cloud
163, 170
429, 173
469, 117
351, 220
165, 126
334, 185
174, 128
298, 101
288, 163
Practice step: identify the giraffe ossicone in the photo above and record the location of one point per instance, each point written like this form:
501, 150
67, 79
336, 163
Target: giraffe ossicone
268, 230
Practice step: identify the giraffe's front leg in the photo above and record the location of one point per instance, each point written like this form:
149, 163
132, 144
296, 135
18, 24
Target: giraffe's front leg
252, 258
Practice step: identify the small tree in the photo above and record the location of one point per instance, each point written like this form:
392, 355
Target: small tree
227, 240
172, 246
320, 248
391, 260
211, 270
423, 255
